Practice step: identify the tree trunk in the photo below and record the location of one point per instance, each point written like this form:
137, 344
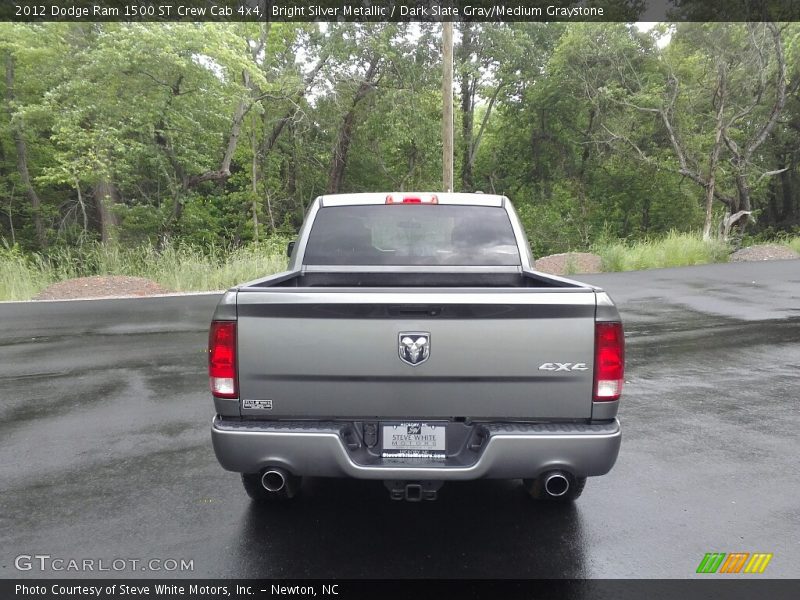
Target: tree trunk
583, 226
236, 127
713, 159
742, 193
104, 198
22, 157
707, 221
788, 214
467, 105
340, 151
291, 184
254, 205
741, 158
342, 146
447, 106
82, 205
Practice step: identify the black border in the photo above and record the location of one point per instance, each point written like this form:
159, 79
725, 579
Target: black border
706, 587
399, 10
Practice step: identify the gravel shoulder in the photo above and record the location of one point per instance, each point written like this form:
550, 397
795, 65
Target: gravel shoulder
569, 263
101, 286
764, 252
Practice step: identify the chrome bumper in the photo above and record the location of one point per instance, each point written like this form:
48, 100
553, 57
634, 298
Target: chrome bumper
510, 451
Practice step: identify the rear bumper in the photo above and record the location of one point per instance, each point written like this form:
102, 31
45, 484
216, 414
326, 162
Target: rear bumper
324, 449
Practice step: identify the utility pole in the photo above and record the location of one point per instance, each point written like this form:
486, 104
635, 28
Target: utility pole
447, 106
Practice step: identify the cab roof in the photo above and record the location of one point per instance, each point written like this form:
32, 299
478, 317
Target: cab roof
475, 199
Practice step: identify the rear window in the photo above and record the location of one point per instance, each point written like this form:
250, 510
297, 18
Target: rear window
419, 234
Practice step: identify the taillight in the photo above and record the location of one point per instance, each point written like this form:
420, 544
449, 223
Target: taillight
609, 361
222, 359
410, 199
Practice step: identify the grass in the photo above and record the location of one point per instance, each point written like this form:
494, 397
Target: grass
176, 267
570, 266
674, 250
794, 244
20, 277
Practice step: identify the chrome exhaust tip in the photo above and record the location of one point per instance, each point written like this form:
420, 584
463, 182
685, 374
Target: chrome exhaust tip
274, 480
556, 484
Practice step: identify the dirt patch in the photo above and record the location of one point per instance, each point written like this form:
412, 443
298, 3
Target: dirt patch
569, 263
101, 287
764, 252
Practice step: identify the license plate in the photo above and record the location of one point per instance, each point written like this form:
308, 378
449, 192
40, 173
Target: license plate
413, 439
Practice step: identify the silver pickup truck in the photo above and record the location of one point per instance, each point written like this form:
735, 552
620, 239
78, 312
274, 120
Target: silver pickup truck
411, 341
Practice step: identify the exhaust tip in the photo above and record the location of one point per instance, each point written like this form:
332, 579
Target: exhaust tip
556, 484
273, 480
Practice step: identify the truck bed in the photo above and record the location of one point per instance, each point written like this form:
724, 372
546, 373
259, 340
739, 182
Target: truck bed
477, 279
325, 346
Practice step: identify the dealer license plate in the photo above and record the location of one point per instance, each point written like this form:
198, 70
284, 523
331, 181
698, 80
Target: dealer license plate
414, 439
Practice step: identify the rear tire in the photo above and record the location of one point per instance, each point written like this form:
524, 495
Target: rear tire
252, 485
535, 488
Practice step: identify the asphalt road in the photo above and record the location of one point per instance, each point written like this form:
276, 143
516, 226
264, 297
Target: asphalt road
105, 451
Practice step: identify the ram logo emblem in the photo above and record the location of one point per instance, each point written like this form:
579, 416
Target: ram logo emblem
414, 347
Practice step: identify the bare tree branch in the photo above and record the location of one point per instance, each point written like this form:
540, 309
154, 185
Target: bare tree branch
780, 99
474, 149
771, 174
269, 142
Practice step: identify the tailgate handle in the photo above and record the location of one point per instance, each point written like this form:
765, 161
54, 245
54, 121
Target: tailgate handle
414, 311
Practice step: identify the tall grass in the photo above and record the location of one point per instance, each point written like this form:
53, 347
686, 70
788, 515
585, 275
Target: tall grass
674, 250
21, 277
794, 244
176, 267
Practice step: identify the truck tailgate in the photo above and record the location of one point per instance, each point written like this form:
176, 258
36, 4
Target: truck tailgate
335, 353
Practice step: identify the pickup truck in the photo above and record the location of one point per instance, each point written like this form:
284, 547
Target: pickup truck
411, 341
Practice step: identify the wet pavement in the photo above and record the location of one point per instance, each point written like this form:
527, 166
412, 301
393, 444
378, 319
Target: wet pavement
105, 451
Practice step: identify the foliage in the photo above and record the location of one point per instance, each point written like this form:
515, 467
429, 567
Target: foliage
794, 244
177, 266
21, 276
210, 136
674, 250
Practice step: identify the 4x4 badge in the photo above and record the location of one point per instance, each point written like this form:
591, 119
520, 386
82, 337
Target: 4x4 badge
563, 367
414, 347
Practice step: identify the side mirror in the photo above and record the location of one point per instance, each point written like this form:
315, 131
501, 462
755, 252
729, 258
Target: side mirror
290, 248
